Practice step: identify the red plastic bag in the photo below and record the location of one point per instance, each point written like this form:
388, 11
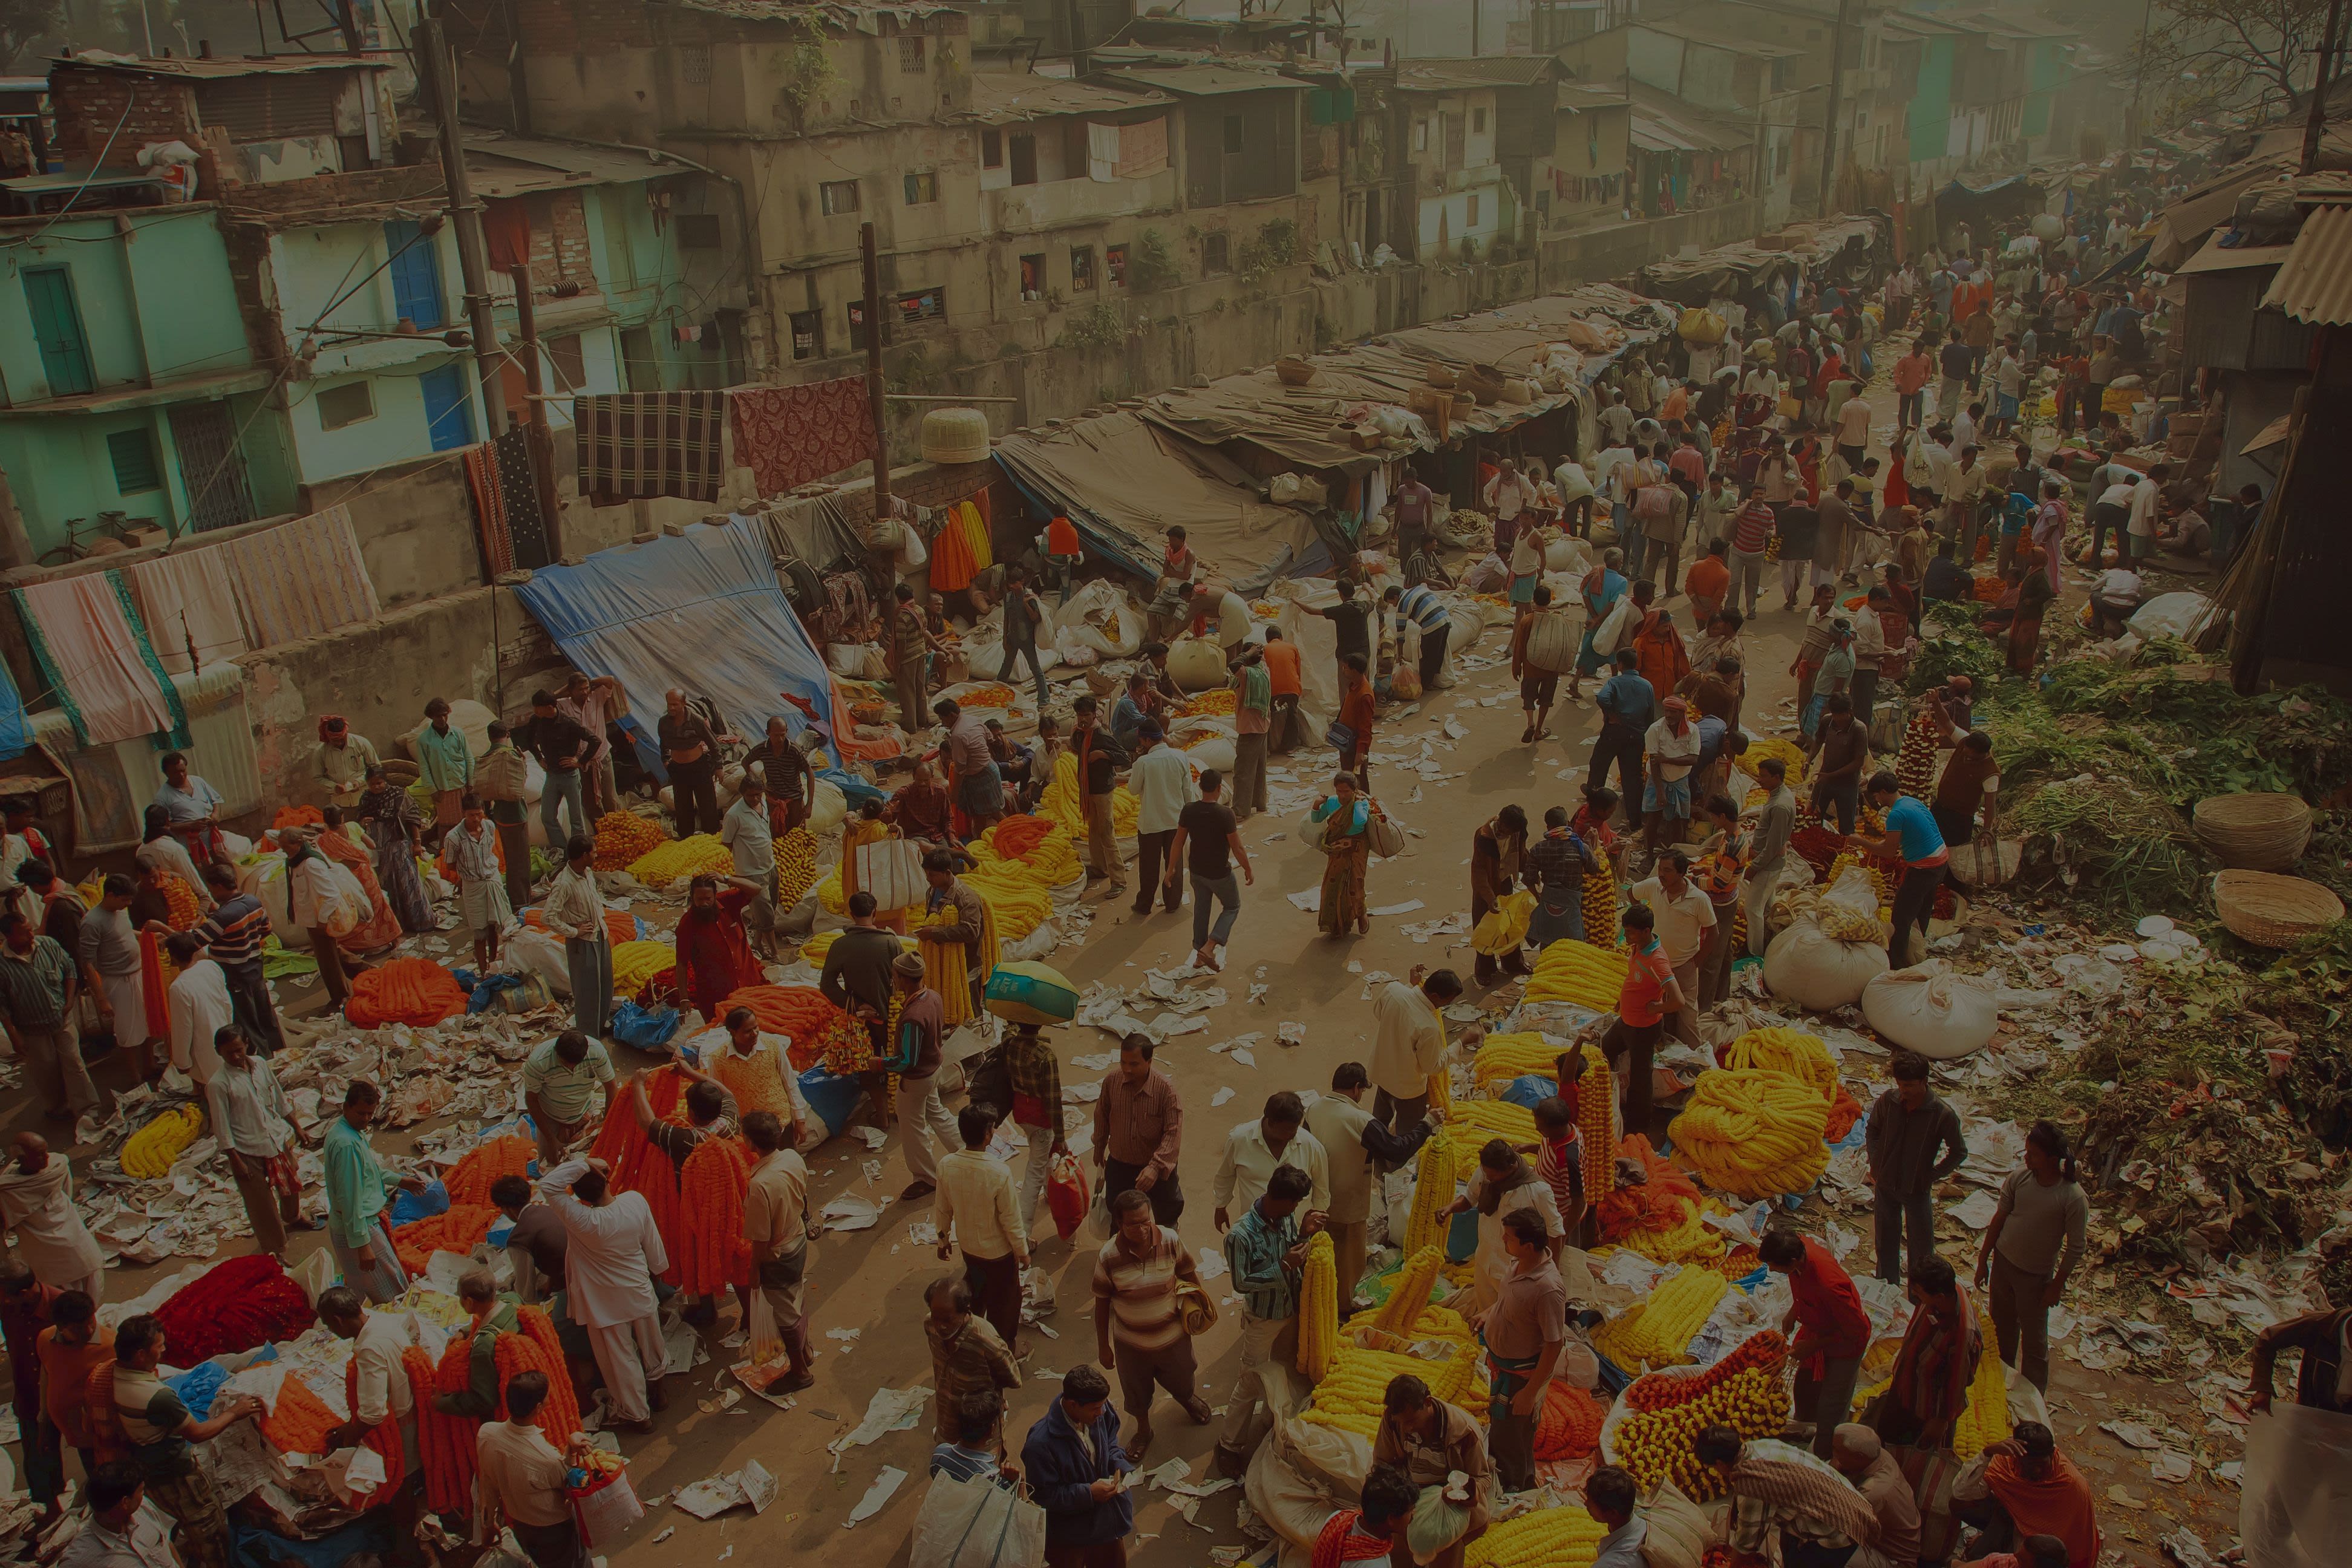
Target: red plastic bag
1067, 1191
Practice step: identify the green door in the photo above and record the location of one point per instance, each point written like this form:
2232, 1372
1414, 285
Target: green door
65, 356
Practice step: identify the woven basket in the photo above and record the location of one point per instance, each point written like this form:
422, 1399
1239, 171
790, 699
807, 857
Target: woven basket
2254, 832
1442, 375
1294, 371
2273, 911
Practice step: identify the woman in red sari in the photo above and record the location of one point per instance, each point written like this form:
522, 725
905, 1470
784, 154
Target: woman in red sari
380, 931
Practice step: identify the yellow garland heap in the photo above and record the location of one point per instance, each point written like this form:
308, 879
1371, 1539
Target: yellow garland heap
1656, 1445
1318, 1309
1410, 1291
1505, 1056
1566, 1537
1432, 1194
1060, 804
1349, 1396
1477, 1120
1658, 1331
1054, 858
150, 1152
1689, 1241
1017, 895
1790, 1051
1985, 1420
1600, 893
680, 858
635, 963
1578, 973
1441, 1092
1752, 1133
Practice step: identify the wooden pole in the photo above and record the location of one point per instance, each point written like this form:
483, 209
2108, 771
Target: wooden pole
877, 394
542, 441
437, 66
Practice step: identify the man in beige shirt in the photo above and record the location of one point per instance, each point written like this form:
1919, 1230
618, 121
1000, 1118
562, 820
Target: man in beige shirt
1523, 1331
775, 1222
521, 1479
1353, 1142
978, 1211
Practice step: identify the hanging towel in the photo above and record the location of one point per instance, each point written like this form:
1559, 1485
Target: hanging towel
636, 445
187, 599
301, 578
788, 435
15, 729
1102, 151
93, 650
1142, 149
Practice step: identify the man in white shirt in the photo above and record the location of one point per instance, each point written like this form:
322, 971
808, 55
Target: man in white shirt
1163, 783
977, 1211
1852, 431
123, 1530
746, 832
1683, 916
381, 1383
1674, 745
1964, 427
1409, 1043
313, 898
2144, 508
775, 1222
1255, 1149
2116, 598
612, 1252
1355, 1147
36, 1203
521, 1476
200, 1006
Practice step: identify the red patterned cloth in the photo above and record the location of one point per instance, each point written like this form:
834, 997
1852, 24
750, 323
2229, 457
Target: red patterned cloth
788, 435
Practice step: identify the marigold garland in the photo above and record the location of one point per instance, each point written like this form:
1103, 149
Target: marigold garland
460, 1228
413, 991
711, 1186
469, 1180
235, 1305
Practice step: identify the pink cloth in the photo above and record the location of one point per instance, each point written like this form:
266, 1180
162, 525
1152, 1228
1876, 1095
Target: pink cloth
788, 435
83, 623
186, 597
301, 578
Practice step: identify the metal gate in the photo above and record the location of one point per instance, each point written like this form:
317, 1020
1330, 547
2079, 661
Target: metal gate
210, 465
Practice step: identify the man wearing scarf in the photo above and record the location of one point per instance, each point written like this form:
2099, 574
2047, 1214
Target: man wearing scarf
1373, 1532
1928, 1391
714, 955
2022, 1488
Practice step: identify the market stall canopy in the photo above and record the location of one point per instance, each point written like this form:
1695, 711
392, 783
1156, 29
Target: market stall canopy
1742, 264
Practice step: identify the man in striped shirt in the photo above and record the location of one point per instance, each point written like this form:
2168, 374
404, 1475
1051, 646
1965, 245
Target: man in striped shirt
1420, 606
1138, 1323
234, 931
979, 1415
1264, 1251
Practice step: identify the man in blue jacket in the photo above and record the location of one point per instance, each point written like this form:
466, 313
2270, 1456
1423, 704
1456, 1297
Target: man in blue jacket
1076, 1467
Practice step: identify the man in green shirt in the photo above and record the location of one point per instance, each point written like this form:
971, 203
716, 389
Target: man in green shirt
1252, 687
558, 1081
358, 1190
479, 1294
445, 762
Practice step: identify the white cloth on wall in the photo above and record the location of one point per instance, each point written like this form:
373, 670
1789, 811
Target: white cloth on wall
87, 630
301, 578
1102, 151
186, 597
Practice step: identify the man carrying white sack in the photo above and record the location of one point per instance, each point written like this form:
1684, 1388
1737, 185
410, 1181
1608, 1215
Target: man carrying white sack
611, 1257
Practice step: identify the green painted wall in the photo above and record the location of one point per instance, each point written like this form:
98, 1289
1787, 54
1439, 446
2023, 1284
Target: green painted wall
155, 303
1931, 102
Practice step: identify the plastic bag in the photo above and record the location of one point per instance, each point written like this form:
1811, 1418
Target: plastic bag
1616, 628
767, 1340
976, 1523
1504, 928
1817, 971
536, 953
1101, 618
1678, 1533
606, 1508
1436, 1523
1069, 1193
646, 1028
1933, 1010
2298, 1486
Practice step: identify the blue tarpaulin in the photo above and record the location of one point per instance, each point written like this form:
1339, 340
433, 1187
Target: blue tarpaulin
16, 730
700, 611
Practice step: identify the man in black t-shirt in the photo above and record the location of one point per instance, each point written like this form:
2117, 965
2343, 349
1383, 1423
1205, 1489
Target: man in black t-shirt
1208, 842
1350, 616
561, 745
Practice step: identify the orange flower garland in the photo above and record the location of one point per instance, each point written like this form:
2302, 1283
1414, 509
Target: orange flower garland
469, 1179
710, 1201
459, 1230
383, 1438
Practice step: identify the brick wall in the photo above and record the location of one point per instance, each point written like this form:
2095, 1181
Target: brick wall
331, 198
90, 103
559, 239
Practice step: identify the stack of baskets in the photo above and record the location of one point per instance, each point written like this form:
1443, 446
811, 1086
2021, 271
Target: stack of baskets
2254, 832
2271, 911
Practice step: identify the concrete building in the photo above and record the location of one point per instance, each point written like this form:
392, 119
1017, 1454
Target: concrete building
1714, 71
1476, 133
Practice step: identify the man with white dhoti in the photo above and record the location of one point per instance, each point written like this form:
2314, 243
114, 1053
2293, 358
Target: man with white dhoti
36, 1203
610, 1258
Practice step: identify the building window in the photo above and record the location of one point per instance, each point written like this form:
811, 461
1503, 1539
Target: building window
698, 231
133, 452
923, 305
1470, 216
991, 149
910, 51
1024, 160
1115, 262
838, 196
1214, 257
346, 405
570, 362
694, 64
1236, 135
856, 326
1033, 277
807, 329
1420, 135
1082, 267
1478, 122
923, 187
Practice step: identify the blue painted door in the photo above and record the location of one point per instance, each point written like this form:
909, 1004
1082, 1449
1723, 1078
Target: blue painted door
449, 416
416, 275
65, 353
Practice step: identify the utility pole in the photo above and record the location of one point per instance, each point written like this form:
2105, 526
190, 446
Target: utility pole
877, 394
1830, 118
541, 440
437, 64
2314, 125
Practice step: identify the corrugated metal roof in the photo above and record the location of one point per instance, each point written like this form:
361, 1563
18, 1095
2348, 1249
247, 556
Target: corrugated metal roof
1002, 98
1472, 72
216, 69
2316, 284
1709, 37
1205, 81
498, 164
1583, 98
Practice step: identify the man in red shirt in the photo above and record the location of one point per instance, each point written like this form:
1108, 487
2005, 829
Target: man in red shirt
1832, 1330
1648, 995
1751, 531
1282, 670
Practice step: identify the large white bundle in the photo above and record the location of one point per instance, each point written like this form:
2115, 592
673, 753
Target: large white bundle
1816, 971
1932, 1009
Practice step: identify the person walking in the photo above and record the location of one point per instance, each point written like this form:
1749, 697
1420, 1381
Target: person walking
613, 1251
1076, 1472
1345, 818
776, 1223
1264, 1251
470, 850
2031, 1248
1522, 1329
1097, 760
1023, 614
1139, 1131
978, 1214
1253, 690
574, 911
1035, 1073
499, 778
925, 1131
968, 1355
1163, 783
40, 998
1752, 527
444, 760
1356, 1145
1139, 1315
1208, 844
1827, 1328
1912, 1141
562, 747
559, 1081
254, 1121
359, 1195
1768, 850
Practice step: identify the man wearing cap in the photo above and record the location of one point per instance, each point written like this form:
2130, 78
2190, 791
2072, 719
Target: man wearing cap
922, 1016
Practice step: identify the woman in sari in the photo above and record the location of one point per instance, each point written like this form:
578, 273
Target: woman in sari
379, 932
1602, 588
2033, 598
1347, 819
392, 819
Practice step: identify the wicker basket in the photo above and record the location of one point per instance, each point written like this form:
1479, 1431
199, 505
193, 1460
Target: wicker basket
1294, 371
2254, 832
1442, 375
2273, 911
955, 435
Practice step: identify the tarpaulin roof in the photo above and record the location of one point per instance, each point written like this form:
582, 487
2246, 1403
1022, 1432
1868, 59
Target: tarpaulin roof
1123, 483
1825, 236
700, 611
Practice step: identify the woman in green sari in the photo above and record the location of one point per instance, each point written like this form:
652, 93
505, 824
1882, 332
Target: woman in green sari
1347, 818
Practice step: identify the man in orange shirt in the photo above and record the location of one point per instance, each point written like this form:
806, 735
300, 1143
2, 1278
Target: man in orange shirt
1282, 669
1658, 644
1707, 580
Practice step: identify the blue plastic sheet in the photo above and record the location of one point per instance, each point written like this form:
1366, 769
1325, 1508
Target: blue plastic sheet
16, 730
832, 1096
199, 1387
1530, 1089
646, 1028
482, 990
408, 1207
701, 612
